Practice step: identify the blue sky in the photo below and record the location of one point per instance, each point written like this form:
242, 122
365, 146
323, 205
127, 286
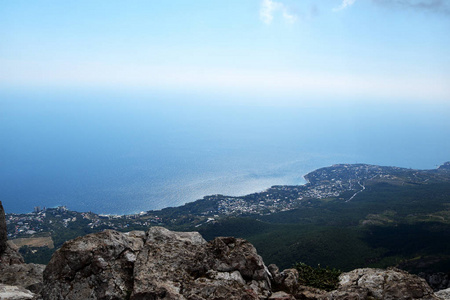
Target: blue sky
384, 49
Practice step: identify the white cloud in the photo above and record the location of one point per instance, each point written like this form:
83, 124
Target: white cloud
345, 4
270, 8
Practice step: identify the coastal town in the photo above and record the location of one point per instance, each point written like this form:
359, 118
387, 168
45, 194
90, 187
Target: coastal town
49, 220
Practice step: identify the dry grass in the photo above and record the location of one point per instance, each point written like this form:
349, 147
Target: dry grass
34, 242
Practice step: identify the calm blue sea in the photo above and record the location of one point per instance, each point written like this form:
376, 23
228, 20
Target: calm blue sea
124, 153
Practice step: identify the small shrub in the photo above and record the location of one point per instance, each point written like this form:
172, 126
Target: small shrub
321, 278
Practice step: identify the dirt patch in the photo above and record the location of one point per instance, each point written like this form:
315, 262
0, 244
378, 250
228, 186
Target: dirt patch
34, 242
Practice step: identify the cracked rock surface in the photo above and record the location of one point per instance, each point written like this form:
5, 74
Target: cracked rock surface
159, 264
96, 266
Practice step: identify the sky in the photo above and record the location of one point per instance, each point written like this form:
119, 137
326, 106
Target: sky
328, 49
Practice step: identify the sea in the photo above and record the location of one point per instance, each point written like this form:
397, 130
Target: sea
123, 152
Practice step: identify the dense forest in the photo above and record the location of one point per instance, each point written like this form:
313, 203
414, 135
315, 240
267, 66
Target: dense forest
387, 225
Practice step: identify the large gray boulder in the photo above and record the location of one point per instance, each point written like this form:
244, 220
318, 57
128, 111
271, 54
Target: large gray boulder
95, 266
160, 264
386, 284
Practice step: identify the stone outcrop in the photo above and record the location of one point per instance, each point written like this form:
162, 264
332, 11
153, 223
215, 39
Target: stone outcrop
11, 256
17, 279
96, 266
160, 264
28, 276
386, 284
190, 267
443, 294
288, 281
357, 284
9, 292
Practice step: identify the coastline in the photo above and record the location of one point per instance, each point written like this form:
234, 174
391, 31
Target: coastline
307, 182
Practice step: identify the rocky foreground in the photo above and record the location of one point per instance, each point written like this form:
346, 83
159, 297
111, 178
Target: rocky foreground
162, 264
